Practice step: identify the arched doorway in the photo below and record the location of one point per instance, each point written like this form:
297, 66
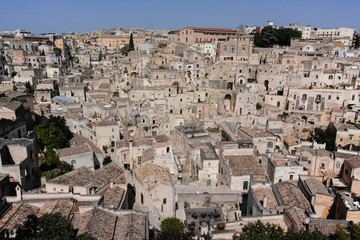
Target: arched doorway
227, 102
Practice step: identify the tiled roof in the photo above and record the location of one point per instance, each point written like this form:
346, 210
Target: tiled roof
17, 215
113, 197
73, 150
260, 191
242, 165
62, 207
315, 186
291, 196
152, 174
130, 227
85, 177
354, 161
105, 225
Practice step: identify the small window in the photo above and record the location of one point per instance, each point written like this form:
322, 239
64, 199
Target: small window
139, 159
73, 162
245, 185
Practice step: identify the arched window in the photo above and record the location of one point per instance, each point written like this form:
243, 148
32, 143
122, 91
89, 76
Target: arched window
331, 77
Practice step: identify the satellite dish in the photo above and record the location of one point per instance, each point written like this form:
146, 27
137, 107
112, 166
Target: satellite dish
307, 221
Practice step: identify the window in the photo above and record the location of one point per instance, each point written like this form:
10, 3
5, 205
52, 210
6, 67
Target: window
232, 50
278, 104
245, 185
304, 97
353, 97
331, 77
139, 159
351, 137
291, 177
341, 139
180, 111
322, 165
225, 49
73, 162
243, 49
164, 201
318, 97
329, 97
171, 111
295, 96
270, 145
124, 157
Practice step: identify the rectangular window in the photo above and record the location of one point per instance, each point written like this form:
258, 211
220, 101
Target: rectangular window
73, 162
164, 201
245, 185
270, 145
139, 159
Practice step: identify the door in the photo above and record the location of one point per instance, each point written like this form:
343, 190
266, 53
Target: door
208, 182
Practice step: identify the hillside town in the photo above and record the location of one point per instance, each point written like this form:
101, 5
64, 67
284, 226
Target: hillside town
120, 129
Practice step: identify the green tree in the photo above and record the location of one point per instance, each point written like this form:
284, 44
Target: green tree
172, 225
341, 234
327, 136
131, 43
267, 37
125, 50
260, 231
53, 133
357, 40
270, 36
50, 158
173, 229
107, 160
284, 36
258, 106
305, 235
60, 168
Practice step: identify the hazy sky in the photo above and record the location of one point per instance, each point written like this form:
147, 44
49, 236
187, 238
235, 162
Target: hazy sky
40, 16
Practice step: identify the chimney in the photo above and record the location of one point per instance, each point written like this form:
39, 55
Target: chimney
18, 193
265, 201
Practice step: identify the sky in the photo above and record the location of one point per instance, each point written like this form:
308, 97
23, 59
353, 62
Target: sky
53, 16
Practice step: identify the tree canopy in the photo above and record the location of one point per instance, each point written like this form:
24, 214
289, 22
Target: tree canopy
271, 36
53, 133
327, 136
131, 43
261, 231
107, 160
173, 229
350, 233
